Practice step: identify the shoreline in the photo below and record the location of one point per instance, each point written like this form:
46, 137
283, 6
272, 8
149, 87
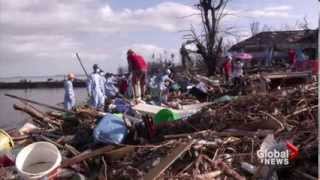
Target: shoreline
39, 84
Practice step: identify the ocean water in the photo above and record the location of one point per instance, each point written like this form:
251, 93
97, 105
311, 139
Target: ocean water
37, 78
9, 118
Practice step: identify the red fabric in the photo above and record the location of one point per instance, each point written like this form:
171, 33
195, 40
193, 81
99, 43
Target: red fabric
314, 66
138, 63
123, 86
227, 67
292, 56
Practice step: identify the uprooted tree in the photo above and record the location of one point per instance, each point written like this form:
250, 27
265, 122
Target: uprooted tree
209, 44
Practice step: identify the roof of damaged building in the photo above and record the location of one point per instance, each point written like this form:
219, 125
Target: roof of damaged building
278, 39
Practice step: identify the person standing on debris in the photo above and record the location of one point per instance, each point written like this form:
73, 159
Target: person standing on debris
237, 72
138, 68
301, 57
164, 86
227, 68
269, 55
292, 56
69, 97
96, 88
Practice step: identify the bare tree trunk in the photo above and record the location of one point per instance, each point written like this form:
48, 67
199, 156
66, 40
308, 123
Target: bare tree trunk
209, 45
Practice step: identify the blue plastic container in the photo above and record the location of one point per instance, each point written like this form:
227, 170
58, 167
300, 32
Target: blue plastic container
110, 130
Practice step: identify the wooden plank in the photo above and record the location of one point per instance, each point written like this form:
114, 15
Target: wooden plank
86, 155
165, 163
154, 109
288, 75
147, 109
107, 151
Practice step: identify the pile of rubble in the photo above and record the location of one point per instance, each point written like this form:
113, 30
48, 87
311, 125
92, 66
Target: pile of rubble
219, 142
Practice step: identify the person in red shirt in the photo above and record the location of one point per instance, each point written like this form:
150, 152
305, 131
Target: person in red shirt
292, 57
227, 68
138, 67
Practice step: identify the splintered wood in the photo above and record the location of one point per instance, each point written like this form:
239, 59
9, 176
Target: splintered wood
210, 144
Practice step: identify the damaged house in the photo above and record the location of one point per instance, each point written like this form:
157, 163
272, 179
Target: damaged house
280, 42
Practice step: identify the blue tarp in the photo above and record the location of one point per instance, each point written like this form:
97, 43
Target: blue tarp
110, 130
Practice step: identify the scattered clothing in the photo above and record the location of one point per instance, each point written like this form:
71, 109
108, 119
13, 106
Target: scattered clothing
69, 96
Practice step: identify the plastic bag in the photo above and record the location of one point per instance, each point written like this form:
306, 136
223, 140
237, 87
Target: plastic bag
110, 130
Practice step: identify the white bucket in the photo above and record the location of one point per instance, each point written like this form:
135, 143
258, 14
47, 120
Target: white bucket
38, 160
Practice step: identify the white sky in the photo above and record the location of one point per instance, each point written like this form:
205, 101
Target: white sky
40, 37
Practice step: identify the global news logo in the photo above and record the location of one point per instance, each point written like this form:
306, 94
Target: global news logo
277, 153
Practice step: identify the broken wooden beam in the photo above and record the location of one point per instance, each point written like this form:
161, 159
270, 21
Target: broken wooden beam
107, 151
35, 114
37, 103
165, 163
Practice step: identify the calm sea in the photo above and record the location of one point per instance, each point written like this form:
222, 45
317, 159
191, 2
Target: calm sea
9, 118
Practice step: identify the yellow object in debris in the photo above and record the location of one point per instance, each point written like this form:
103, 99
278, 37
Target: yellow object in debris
6, 142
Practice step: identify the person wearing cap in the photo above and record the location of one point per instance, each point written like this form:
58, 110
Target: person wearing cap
69, 96
138, 68
96, 88
227, 68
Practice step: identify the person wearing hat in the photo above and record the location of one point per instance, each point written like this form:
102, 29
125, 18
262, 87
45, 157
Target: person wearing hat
138, 68
96, 88
69, 96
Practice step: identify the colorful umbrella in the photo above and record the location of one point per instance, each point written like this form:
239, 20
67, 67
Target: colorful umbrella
243, 56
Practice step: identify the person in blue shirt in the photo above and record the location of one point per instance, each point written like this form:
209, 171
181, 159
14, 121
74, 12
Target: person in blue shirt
69, 96
96, 88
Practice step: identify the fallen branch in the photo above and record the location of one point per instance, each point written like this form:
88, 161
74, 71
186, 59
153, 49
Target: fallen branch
301, 111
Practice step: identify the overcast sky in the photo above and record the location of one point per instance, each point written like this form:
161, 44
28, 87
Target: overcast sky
40, 37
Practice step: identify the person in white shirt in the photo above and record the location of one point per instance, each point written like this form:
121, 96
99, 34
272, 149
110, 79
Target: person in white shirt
237, 73
96, 88
69, 96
